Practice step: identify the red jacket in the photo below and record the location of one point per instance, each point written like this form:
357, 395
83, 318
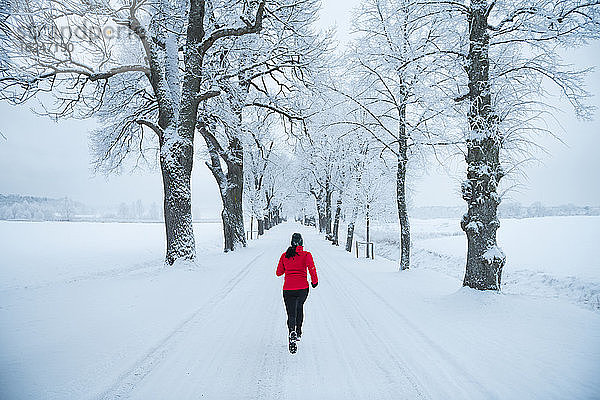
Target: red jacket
295, 270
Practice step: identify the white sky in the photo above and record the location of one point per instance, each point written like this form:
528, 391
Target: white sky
43, 158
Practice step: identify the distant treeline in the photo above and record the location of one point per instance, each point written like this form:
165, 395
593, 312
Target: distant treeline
31, 208
17, 207
509, 210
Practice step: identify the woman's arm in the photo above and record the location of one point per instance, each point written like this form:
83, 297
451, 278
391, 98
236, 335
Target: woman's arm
312, 269
280, 267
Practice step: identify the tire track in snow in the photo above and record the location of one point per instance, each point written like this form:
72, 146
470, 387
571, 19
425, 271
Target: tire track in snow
128, 381
374, 342
413, 332
272, 367
333, 334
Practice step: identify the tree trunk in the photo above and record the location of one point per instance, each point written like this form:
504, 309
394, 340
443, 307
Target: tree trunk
368, 231
401, 197
261, 227
336, 223
233, 215
484, 258
231, 186
350, 234
267, 218
321, 212
176, 161
328, 193
349, 237
322, 222
177, 143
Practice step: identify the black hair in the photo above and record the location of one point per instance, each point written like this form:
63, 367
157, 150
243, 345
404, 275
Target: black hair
296, 241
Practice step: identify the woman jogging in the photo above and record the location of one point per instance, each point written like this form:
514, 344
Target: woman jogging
294, 263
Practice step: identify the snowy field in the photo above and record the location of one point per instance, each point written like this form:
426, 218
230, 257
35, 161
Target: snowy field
36, 254
88, 312
547, 256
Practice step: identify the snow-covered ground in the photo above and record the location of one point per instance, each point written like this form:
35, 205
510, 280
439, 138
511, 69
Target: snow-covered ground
44, 253
547, 257
88, 312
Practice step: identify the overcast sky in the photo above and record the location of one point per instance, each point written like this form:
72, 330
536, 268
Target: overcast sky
43, 158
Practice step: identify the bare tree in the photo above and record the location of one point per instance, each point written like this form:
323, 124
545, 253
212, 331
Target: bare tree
139, 66
319, 163
264, 72
400, 81
358, 167
509, 51
258, 160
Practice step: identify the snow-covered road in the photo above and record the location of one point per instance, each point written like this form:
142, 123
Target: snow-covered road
218, 332
234, 346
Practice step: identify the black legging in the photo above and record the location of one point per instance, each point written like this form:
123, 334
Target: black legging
294, 303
